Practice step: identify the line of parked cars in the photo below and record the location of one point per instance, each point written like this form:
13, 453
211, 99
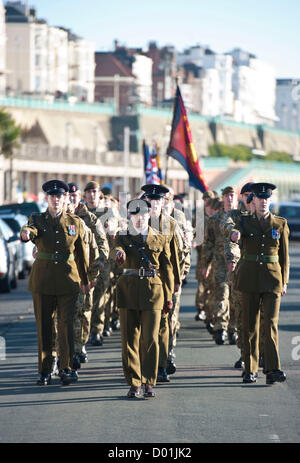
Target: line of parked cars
15, 257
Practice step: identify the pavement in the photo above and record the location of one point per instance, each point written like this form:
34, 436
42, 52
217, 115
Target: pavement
205, 402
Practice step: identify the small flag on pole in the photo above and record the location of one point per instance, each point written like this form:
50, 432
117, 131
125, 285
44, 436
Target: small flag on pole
181, 146
152, 171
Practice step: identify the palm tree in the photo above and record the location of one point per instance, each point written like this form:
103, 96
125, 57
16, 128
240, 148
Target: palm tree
9, 139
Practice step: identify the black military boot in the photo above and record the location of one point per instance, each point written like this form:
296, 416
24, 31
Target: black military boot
275, 376
220, 337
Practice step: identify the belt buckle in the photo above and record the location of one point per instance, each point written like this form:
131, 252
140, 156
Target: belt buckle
141, 272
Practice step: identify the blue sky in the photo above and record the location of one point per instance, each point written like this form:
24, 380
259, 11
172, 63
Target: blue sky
267, 28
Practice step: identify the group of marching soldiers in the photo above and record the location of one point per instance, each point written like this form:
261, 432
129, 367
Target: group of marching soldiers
99, 269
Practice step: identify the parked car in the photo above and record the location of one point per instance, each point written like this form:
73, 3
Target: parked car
9, 279
291, 212
16, 222
5, 277
20, 208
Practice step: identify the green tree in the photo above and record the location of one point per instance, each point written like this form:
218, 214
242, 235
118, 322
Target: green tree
9, 139
235, 152
280, 156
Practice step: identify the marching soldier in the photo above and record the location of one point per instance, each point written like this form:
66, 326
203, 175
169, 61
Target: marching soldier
184, 241
94, 236
169, 228
58, 272
94, 202
202, 287
223, 318
144, 290
262, 277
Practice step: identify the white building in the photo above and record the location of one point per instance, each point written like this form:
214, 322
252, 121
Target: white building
142, 70
254, 88
2, 50
235, 85
81, 68
36, 53
288, 104
214, 80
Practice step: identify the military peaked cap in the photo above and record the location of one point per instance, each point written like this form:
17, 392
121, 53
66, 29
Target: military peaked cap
247, 188
263, 189
154, 191
138, 206
73, 187
55, 187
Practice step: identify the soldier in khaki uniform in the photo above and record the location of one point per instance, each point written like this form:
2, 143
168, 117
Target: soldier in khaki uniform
57, 274
262, 277
168, 226
144, 290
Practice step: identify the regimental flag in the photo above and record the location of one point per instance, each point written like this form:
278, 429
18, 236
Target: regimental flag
152, 168
181, 145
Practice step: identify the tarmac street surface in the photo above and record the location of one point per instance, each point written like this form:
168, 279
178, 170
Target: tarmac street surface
205, 402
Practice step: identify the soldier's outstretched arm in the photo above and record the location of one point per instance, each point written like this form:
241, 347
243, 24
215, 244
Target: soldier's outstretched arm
30, 231
118, 253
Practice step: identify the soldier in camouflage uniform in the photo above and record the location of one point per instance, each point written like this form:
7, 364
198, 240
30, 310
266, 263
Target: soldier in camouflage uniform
111, 272
223, 319
94, 203
202, 287
232, 256
213, 205
97, 250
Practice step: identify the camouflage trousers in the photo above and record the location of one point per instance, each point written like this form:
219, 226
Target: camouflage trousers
223, 314
99, 301
82, 320
174, 324
111, 312
237, 307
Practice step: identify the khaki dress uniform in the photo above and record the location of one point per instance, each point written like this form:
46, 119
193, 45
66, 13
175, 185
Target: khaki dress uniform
61, 264
140, 300
262, 272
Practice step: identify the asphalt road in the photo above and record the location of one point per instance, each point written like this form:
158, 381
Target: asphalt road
205, 402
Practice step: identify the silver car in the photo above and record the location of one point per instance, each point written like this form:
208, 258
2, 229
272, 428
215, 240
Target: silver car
9, 251
16, 222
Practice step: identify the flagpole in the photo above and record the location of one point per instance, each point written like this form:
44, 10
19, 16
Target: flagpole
174, 105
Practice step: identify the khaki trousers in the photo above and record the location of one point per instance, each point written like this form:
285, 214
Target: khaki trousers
139, 334
270, 304
44, 310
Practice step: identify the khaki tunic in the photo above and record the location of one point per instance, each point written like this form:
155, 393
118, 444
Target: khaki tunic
62, 237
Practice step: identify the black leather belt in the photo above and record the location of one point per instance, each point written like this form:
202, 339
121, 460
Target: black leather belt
141, 272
